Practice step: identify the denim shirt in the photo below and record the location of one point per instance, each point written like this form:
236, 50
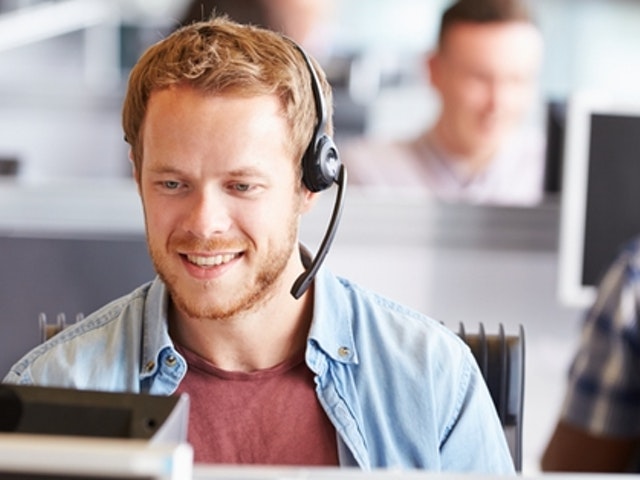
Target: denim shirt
402, 390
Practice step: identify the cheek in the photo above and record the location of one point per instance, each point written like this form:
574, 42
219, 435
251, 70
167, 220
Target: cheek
520, 96
158, 217
469, 94
273, 218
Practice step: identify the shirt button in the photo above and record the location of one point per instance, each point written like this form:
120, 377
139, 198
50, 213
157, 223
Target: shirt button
150, 366
344, 352
171, 360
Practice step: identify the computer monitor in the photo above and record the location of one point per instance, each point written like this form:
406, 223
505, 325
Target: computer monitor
54, 457
600, 202
63, 433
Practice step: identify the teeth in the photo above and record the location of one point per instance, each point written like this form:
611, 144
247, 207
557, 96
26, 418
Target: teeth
211, 261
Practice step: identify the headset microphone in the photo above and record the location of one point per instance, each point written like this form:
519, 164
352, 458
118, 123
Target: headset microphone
321, 168
303, 281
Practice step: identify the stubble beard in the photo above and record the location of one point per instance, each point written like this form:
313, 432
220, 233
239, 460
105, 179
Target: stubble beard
251, 294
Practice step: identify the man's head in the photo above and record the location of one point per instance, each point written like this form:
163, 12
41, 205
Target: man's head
223, 57
485, 69
218, 116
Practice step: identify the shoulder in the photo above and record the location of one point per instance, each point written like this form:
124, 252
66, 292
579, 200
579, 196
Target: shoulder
128, 307
621, 278
399, 330
631, 252
70, 352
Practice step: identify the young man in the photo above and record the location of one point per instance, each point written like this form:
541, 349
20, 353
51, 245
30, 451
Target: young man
599, 426
484, 70
218, 116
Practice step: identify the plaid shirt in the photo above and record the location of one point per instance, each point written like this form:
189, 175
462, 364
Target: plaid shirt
604, 379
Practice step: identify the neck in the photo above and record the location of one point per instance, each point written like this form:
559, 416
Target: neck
253, 340
473, 160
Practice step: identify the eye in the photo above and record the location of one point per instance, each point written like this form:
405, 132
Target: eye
171, 184
246, 186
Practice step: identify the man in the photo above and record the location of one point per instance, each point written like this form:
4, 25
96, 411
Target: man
218, 116
599, 426
484, 70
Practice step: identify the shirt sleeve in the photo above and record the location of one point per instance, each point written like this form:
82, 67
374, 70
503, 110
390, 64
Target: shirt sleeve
476, 440
604, 378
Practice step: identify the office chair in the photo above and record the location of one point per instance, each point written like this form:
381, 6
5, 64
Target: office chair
49, 329
501, 361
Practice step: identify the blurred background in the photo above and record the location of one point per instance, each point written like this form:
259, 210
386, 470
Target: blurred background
63, 66
71, 228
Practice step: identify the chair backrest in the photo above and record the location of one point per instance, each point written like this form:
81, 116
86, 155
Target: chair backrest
501, 360
49, 329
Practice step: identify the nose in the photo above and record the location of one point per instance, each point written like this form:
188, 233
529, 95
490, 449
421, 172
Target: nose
207, 215
505, 94
494, 95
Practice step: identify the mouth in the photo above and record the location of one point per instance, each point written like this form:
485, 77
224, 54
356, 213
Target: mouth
208, 261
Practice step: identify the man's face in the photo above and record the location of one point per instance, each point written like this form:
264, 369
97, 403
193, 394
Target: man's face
486, 75
221, 198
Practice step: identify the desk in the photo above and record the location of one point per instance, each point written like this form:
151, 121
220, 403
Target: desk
205, 472
45, 457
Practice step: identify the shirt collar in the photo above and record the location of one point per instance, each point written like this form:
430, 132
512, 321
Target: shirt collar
156, 327
331, 326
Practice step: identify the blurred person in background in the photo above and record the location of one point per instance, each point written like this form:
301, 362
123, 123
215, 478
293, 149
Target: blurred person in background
485, 70
313, 25
307, 22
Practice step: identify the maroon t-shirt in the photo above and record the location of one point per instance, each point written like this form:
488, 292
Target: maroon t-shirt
266, 417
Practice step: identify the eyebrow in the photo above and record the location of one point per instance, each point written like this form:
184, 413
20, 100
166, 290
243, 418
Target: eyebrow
165, 169
248, 171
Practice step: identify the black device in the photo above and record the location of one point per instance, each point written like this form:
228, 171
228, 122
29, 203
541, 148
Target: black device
556, 112
321, 168
30, 409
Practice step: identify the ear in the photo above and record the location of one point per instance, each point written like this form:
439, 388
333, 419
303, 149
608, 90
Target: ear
134, 172
432, 66
309, 199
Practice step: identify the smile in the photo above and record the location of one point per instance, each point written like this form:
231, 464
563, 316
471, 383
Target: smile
211, 261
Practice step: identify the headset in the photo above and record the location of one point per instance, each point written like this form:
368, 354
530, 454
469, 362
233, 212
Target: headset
321, 168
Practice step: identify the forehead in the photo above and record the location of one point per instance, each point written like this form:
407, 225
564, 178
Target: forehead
183, 124
183, 109
189, 101
504, 44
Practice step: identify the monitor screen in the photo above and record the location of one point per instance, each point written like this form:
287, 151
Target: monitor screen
600, 208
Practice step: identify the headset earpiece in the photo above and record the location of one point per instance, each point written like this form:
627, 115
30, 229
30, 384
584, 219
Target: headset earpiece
320, 164
321, 161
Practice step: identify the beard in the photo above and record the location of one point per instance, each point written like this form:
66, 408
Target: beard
205, 299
